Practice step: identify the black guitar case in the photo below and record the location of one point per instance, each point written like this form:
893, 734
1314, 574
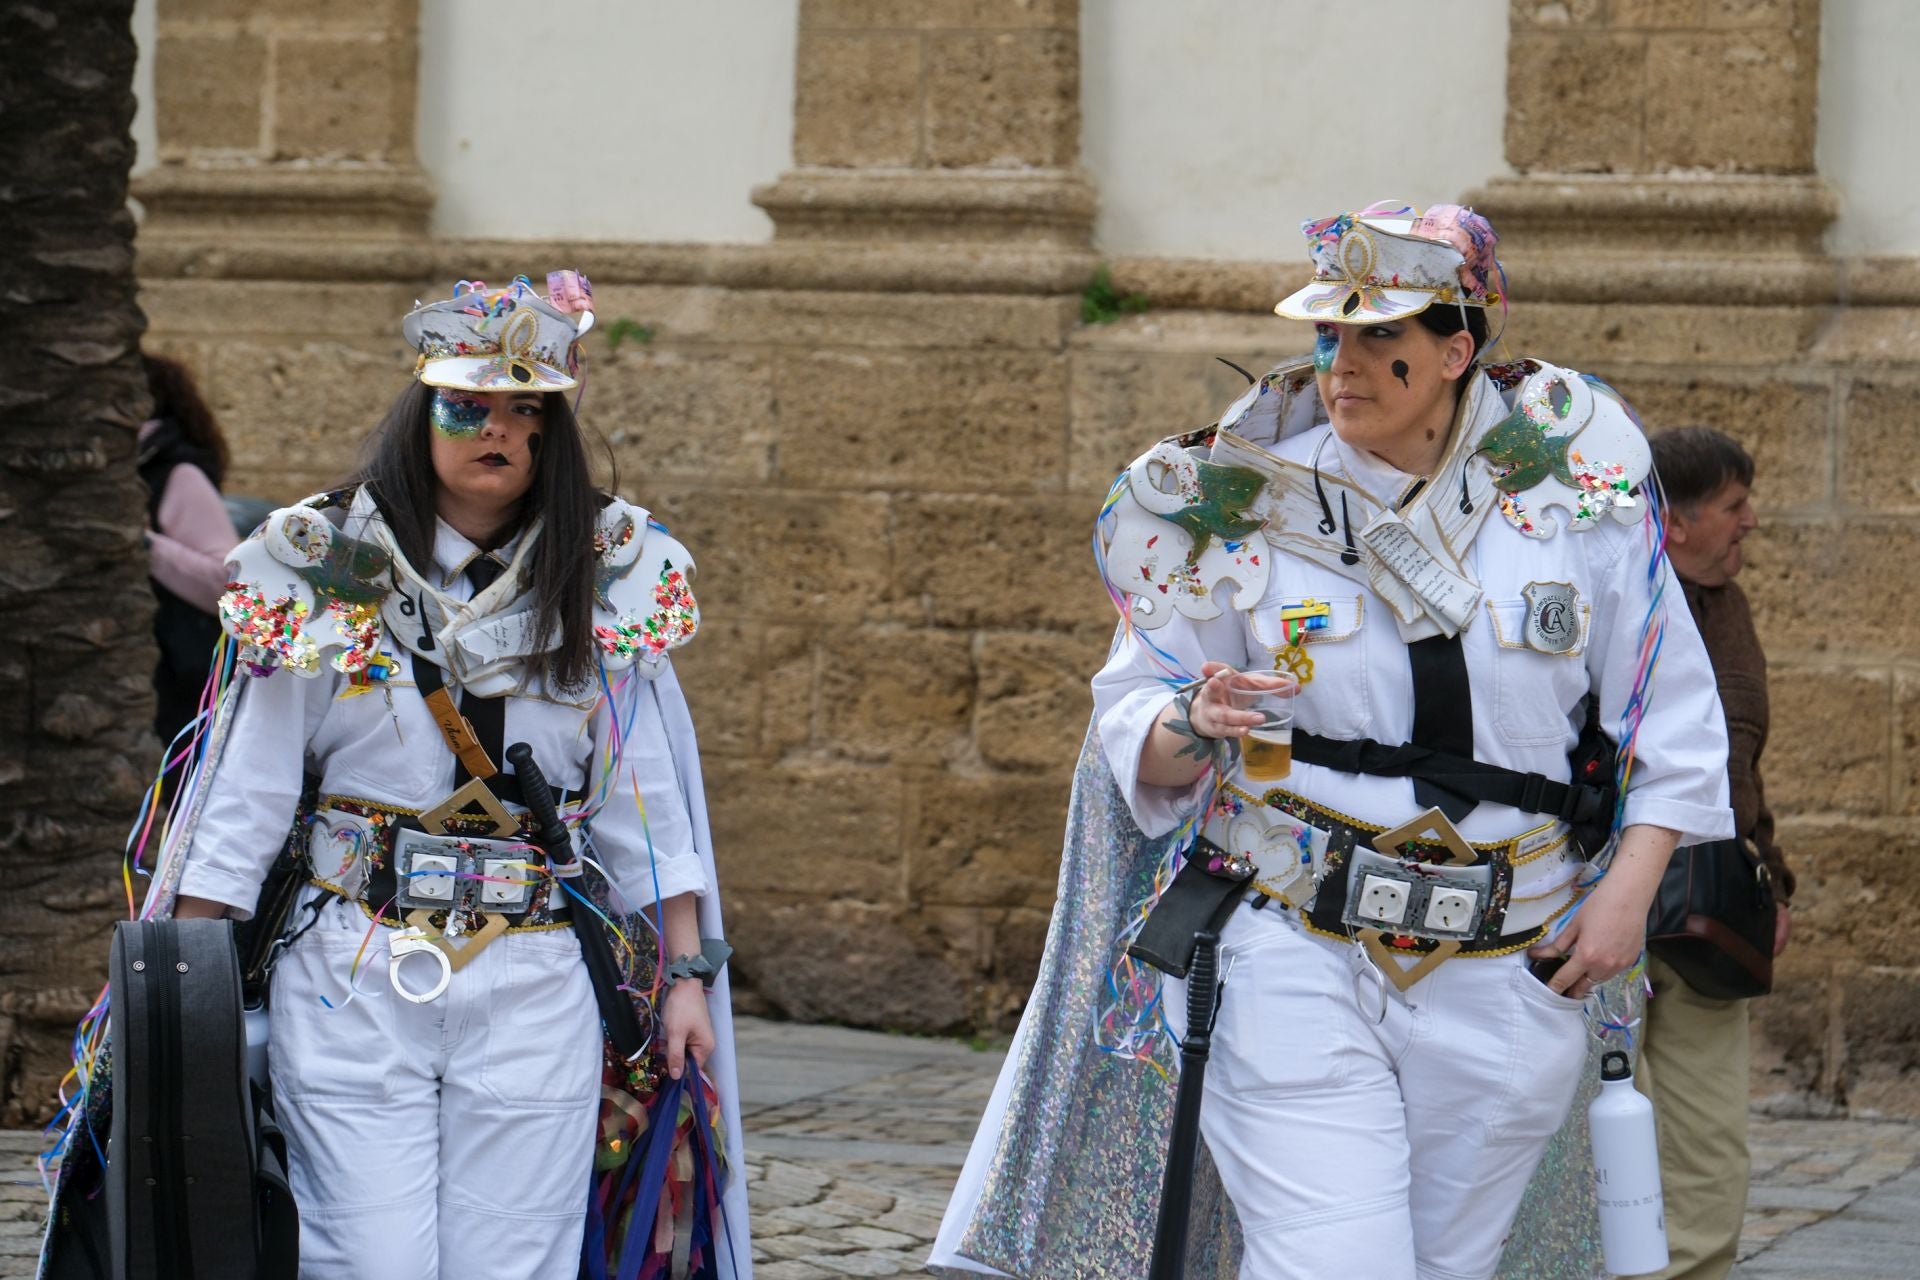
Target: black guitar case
195, 1180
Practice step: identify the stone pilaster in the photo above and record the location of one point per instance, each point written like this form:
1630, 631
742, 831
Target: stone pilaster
956, 121
1665, 153
282, 122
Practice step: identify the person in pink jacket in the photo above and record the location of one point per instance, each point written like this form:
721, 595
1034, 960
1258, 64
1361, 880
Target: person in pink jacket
182, 459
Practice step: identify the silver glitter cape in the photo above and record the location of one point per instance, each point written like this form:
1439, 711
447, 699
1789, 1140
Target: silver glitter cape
1063, 1179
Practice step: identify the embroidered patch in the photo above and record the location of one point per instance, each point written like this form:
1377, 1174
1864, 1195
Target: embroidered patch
1553, 616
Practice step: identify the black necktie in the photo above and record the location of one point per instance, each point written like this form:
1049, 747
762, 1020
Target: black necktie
488, 716
1442, 714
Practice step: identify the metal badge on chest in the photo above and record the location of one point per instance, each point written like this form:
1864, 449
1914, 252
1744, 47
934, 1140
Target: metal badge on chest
1553, 616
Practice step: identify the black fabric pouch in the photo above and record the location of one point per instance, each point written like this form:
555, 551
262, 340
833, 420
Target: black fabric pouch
1197, 900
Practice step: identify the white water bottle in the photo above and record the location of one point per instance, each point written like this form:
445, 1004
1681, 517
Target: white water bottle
1626, 1172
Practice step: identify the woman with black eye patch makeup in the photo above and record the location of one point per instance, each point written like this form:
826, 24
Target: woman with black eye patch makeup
492, 1006
1438, 582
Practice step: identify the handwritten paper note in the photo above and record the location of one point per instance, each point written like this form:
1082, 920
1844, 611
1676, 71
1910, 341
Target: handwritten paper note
1449, 598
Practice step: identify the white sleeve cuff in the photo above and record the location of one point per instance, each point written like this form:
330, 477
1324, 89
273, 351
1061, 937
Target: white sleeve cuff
239, 892
673, 876
1696, 823
1123, 736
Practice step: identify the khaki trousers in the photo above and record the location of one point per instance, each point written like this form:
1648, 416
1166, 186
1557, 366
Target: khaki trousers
1693, 1064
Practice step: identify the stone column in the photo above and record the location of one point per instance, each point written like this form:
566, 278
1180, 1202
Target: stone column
284, 124
1665, 152
918, 591
955, 121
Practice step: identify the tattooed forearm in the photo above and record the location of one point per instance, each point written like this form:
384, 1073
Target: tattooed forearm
1198, 745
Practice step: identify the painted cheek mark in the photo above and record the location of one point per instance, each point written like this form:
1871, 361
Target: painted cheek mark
1400, 372
1326, 345
457, 415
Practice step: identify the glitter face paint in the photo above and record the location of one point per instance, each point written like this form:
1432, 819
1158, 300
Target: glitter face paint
1326, 345
458, 415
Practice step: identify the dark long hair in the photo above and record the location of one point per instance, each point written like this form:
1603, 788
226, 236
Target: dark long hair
397, 467
1448, 320
177, 399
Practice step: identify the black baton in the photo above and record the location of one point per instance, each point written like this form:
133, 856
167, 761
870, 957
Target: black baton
616, 1009
1176, 1190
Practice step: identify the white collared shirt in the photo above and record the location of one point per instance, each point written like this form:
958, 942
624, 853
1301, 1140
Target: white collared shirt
382, 745
1526, 703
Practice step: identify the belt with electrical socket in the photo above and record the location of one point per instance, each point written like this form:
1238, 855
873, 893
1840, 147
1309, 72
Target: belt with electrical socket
1419, 889
464, 864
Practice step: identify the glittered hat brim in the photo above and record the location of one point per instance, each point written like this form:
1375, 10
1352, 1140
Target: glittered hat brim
1340, 302
495, 373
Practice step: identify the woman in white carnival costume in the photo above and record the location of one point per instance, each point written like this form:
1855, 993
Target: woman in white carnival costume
1459, 565
436, 1048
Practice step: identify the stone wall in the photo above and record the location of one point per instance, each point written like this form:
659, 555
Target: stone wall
885, 434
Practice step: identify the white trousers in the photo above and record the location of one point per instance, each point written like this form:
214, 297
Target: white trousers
451, 1139
1362, 1132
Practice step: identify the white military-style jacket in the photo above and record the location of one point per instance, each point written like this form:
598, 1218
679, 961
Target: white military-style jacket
335, 695
1549, 609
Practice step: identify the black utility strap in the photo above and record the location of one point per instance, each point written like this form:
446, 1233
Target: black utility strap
1197, 899
1442, 716
1457, 774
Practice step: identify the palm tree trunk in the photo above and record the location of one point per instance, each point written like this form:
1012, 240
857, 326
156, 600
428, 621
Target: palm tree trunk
76, 645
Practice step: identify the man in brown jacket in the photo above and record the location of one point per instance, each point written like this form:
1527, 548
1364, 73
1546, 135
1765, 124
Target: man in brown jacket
1694, 1053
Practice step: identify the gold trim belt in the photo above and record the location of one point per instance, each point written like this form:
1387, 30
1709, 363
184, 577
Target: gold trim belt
1423, 874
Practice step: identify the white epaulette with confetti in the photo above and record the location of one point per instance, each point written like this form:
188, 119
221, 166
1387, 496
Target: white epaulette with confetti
643, 590
1176, 527
300, 590
1570, 441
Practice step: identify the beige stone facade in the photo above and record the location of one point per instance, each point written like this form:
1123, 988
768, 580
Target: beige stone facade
885, 433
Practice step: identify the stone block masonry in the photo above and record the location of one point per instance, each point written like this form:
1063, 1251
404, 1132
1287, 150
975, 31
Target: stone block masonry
885, 434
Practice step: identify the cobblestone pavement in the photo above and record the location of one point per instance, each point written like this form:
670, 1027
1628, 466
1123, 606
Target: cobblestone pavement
854, 1138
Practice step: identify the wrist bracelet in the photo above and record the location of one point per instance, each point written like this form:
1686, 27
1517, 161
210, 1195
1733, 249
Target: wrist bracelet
684, 967
704, 965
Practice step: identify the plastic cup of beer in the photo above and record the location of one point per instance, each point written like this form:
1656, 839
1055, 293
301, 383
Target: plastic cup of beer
1266, 753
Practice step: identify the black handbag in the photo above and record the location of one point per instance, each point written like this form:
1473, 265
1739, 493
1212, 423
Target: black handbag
1712, 921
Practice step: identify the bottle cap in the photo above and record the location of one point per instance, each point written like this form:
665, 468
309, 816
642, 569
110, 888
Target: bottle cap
1615, 1066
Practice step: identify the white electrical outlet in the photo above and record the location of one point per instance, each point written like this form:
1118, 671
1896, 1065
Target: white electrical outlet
1450, 910
501, 883
432, 877
1383, 900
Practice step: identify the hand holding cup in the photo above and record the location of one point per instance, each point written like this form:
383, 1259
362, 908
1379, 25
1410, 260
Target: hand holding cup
1231, 703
